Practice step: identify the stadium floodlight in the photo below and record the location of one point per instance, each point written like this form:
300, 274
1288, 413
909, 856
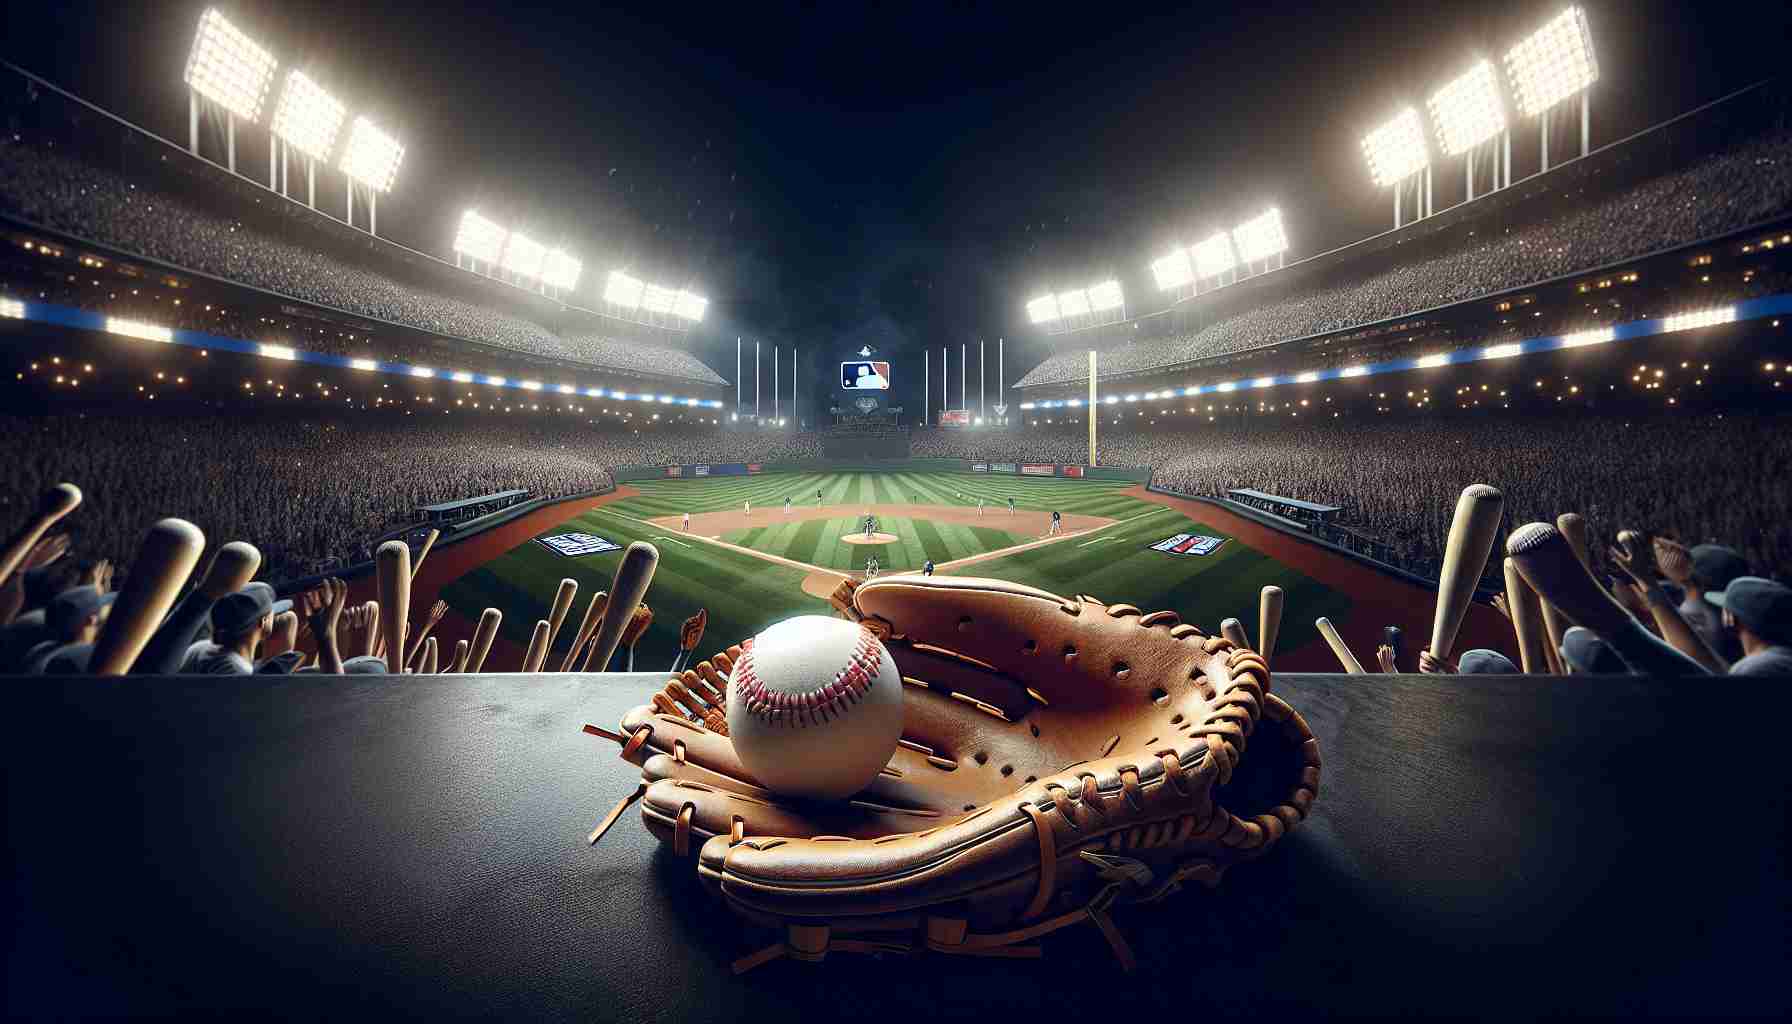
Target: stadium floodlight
656, 299
371, 157
1468, 111
523, 255
1043, 310
307, 118
1214, 256
1260, 237
1593, 336
479, 238
561, 270
1073, 303
422, 371
285, 352
1105, 296
1505, 351
12, 309
623, 290
690, 305
461, 377
228, 68
364, 364
1553, 63
1174, 270
1396, 150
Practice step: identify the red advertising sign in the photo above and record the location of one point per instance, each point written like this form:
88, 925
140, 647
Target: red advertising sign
955, 417
674, 470
1073, 471
754, 467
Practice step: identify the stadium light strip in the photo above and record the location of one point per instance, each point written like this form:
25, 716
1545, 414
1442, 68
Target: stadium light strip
1753, 309
89, 320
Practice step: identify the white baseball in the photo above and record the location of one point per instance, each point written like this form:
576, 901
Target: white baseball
815, 707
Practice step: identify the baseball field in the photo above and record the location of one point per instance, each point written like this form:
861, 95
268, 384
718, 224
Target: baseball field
745, 557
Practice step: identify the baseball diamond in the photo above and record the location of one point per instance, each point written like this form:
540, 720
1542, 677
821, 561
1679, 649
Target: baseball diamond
749, 576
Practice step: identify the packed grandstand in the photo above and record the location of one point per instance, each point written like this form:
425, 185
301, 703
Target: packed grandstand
316, 463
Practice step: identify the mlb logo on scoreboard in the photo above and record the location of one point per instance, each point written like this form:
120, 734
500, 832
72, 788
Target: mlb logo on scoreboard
1188, 544
570, 545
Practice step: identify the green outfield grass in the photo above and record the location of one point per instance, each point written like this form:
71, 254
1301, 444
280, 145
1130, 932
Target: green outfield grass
714, 494
744, 593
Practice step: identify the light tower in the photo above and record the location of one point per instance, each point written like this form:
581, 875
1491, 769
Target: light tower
1397, 158
1554, 64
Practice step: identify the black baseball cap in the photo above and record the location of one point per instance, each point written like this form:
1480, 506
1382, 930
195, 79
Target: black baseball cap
1482, 661
277, 605
1714, 566
1762, 605
235, 613
69, 608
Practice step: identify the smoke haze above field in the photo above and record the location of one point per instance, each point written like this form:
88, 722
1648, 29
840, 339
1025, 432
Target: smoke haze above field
837, 175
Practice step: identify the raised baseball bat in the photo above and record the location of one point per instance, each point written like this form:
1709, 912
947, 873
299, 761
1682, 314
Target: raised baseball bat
428, 665
1527, 622
1574, 527
459, 664
482, 638
1472, 529
166, 558
1547, 562
1339, 648
1233, 630
592, 611
231, 569
429, 541
1555, 626
633, 575
52, 505
538, 647
1269, 620
392, 562
569, 588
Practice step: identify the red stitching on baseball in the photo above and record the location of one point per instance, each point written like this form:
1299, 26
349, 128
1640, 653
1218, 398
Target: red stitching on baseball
810, 707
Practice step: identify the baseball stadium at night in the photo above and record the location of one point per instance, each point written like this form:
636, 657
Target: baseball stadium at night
874, 512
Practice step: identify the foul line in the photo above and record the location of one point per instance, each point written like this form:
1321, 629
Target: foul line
674, 540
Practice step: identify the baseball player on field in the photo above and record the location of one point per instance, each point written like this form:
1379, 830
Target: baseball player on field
927, 567
1057, 524
687, 522
747, 508
979, 506
1010, 506
787, 504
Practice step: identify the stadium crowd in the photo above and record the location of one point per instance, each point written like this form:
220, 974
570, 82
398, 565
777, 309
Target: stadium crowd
1721, 193
67, 194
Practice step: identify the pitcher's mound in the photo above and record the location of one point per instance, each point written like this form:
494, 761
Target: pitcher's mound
876, 538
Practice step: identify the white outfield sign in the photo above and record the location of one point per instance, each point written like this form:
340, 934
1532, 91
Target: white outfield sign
865, 375
569, 545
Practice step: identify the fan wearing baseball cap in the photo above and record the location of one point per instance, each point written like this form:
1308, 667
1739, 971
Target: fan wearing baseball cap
241, 623
1760, 611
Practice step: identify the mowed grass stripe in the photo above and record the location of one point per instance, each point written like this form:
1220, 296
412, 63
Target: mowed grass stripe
932, 545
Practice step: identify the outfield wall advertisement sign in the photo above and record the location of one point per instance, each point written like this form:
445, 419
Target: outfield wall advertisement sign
1073, 471
1002, 467
1188, 544
754, 467
700, 470
1032, 470
979, 467
674, 470
571, 545
955, 417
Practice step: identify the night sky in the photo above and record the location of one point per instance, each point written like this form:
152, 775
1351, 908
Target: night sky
898, 175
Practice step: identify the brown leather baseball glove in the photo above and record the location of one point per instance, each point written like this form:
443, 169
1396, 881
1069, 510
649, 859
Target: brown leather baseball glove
1058, 756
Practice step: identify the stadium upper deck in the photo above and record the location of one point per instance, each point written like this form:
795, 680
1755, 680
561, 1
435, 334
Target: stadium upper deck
1725, 168
67, 172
